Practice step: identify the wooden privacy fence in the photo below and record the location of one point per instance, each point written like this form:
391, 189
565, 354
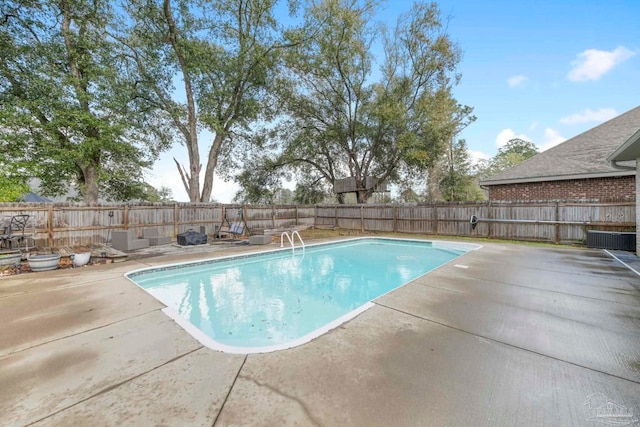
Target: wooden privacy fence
65, 224
557, 222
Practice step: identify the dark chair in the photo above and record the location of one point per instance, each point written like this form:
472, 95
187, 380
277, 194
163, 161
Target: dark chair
235, 228
15, 232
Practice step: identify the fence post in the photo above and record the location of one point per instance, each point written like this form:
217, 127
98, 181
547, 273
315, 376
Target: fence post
125, 218
335, 220
50, 226
435, 216
361, 218
557, 227
489, 216
296, 214
176, 225
224, 215
273, 216
395, 219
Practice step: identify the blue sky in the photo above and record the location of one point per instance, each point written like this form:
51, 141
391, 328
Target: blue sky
544, 71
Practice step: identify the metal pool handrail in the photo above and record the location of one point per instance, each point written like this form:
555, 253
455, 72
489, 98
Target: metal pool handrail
290, 238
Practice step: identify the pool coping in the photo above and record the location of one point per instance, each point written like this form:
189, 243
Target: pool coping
211, 343
432, 338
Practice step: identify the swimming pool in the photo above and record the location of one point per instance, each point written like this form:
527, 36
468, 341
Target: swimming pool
279, 299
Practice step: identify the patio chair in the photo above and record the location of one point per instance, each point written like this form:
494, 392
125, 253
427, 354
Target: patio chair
15, 232
236, 229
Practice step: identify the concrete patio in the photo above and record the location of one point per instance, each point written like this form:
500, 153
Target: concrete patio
503, 336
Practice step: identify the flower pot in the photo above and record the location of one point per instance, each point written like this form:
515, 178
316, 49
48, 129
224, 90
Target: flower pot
10, 258
43, 262
81, 259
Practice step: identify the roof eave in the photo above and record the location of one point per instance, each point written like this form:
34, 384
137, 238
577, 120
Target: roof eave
628, 150
557, 178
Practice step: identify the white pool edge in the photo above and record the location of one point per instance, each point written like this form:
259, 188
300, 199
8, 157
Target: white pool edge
209, 342
435, 243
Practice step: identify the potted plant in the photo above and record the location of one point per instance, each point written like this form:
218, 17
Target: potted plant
10, 257
43, 262
80, 259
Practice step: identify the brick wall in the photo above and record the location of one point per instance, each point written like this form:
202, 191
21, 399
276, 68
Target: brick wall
595, 189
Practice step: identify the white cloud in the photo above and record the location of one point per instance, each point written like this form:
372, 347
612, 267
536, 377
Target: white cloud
533, 126
476, 156
551, 139
593, 63
516, 80
589, 115
506, 135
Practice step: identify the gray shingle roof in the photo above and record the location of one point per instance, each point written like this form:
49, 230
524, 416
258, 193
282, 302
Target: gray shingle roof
583, 156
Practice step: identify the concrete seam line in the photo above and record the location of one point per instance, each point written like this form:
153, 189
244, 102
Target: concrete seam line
281, 393
552, 270
507, 344
230, 390
81, 332
535, 289
114, 386
621, 262
61, 288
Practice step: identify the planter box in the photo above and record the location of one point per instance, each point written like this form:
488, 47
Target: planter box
260, 239
43, 262
10, 258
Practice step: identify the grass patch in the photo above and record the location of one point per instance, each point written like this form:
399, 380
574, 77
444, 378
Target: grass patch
321, 233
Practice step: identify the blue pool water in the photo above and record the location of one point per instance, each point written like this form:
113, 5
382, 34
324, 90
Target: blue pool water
281, 298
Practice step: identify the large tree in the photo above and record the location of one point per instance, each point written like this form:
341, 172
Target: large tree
71, 109
222, 54
348, 114
457, 183
512, 153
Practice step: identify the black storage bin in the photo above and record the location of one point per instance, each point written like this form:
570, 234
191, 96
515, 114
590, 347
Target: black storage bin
191, 237
623, 241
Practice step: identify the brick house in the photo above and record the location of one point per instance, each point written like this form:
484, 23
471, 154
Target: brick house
627, 155
577, 169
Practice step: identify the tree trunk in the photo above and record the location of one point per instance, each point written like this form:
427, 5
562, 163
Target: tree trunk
89, 188
192, 136
212, 162
194, 182
362, 196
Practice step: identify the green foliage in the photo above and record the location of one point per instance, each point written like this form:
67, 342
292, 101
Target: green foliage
11, 189
341, 118
457, 183
151, 194
519, 146
308, 192
224, 53
513, 153
259, 182
71, 108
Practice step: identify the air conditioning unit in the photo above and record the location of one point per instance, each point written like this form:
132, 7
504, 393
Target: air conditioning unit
623, 241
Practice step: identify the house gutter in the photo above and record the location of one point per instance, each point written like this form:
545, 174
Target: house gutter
614, 164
